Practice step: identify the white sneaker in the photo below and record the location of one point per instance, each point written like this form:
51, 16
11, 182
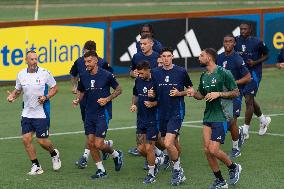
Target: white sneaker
263, 127
56, 163
245, 133
35, 170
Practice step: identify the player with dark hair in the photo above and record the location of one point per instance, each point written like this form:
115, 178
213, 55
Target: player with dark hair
254, 52
230, 60
95, 84
218, 87
169, 83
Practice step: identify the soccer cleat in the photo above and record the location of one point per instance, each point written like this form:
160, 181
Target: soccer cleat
56, 163
167, 162
35, 170
149, 179
118, 161
245, 133
263, 126
82, 162
241, 137
235, 174
134, 151
235, 153
177, 177
99, 175
218, 184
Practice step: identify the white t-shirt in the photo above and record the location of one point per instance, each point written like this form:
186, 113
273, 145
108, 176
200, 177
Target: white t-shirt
33, 86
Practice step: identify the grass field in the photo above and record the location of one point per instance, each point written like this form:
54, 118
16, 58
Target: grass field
262, 157
11, 10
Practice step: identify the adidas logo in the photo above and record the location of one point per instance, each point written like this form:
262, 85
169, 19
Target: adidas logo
186, 48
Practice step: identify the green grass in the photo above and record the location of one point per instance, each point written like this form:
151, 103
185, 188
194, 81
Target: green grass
24, 10
262, 157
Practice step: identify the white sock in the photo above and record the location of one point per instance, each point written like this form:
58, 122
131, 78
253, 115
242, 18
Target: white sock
109, 142
157, 151
235, 144
151, 170
246, 127
100, 166
177, 165
262, 119
86, 153
115, 154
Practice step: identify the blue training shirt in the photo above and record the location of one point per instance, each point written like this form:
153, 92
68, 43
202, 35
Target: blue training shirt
157, 46
140, 56
140, 90
95, 87
251, 48
164, 80
235, 64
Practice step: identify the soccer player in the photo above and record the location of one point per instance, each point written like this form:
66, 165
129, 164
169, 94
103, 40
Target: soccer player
149, 30
149, 55
280, 59
254, 52
34, 82
77, 69
147, 127
217, 86
146, 43
95, 84
169, 83
230, 60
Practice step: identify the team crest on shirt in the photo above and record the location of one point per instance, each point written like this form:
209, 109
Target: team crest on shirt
93, 83
145, 90
225, 64
213, 81
167, 78
244, 48
37, 80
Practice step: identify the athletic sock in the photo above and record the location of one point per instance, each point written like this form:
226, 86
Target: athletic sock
218, 175
53, 153
176, 164
151, 170
86, 153
115, 154
100, 166
232, 166
262, 119
236, 144
35, 161
158, 152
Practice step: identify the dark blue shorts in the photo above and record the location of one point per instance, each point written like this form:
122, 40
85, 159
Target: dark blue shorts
150, 129
38, 125
219, 130
169, 126
237, 106
97, 126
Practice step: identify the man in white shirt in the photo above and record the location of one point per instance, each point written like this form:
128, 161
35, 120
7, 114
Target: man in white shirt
34, 82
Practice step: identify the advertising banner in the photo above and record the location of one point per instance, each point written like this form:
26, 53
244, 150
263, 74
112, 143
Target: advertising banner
57, 47
186, 36
274, 34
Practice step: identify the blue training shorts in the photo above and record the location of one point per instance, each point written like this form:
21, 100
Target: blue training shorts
38, 125
150, 129
97, 126
170, 126
219, 130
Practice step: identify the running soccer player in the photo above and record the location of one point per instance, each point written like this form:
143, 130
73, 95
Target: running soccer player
95, 84
169, 83
147, 126
218, 87
149, 30
254, 52
230, 60
77, 69
147, 53
34, 82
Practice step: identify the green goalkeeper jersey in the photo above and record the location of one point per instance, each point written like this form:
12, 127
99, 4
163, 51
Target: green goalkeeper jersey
220, 80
